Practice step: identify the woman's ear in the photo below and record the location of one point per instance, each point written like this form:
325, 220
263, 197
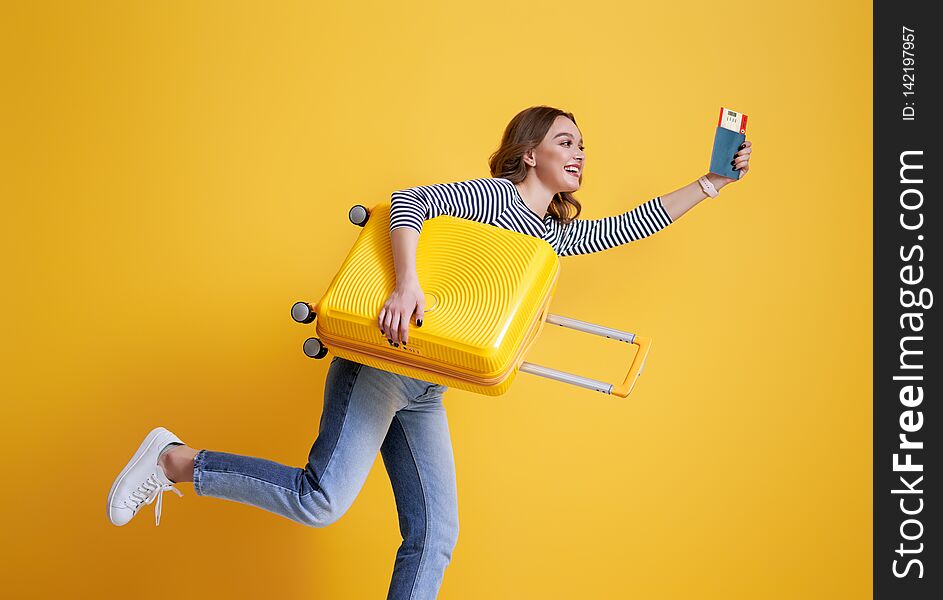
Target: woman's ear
529, 158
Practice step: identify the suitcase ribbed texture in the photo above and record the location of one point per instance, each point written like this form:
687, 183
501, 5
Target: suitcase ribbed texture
486, 289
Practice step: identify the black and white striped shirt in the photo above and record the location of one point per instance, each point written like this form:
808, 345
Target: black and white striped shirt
496, 201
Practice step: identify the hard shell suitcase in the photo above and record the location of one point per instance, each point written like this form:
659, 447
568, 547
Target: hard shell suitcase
487, 296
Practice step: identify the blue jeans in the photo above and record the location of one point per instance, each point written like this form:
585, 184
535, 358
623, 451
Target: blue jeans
366, 410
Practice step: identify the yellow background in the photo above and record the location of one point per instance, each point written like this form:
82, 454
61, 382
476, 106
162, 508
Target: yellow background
175, 175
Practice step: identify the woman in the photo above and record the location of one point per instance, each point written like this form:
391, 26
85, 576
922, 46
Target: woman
366, 410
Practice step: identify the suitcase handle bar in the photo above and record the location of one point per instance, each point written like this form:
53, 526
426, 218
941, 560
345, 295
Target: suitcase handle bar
635, 369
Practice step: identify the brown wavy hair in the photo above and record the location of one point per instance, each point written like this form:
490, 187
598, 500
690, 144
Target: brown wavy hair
525, 132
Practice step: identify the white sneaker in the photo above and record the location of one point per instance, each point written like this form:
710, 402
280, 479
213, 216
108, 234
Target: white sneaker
142, 480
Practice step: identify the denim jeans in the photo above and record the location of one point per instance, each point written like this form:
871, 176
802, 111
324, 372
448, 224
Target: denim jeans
366, 410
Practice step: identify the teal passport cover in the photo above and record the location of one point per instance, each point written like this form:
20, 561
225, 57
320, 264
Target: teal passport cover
726, 144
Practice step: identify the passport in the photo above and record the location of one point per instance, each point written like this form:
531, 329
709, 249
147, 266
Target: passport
731, 132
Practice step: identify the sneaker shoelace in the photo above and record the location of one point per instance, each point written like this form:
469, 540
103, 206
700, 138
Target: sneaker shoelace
147, 492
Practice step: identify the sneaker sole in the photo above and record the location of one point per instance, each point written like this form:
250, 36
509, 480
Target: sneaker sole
158, 435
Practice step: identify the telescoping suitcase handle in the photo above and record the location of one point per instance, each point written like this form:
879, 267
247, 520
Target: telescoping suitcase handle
635, 369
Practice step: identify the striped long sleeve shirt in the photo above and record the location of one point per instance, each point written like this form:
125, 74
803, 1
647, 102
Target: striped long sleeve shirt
496, 201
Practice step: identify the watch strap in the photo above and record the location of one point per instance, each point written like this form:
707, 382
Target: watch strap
707, 187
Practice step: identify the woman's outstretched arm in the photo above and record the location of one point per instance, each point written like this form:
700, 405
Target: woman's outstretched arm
585, 236
684, 199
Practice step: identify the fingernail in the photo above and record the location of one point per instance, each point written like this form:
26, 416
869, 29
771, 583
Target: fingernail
732, 163
390, 341
419, 323
742, 146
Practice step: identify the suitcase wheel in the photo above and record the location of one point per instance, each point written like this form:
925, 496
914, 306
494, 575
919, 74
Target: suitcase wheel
358, 215
313, 348
302, 312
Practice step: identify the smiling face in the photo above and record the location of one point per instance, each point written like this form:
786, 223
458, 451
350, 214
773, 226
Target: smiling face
558, 160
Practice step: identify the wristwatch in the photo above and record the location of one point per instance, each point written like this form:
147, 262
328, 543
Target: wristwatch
707, 187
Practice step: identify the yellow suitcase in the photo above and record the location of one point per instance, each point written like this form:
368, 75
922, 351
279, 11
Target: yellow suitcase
487, 296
